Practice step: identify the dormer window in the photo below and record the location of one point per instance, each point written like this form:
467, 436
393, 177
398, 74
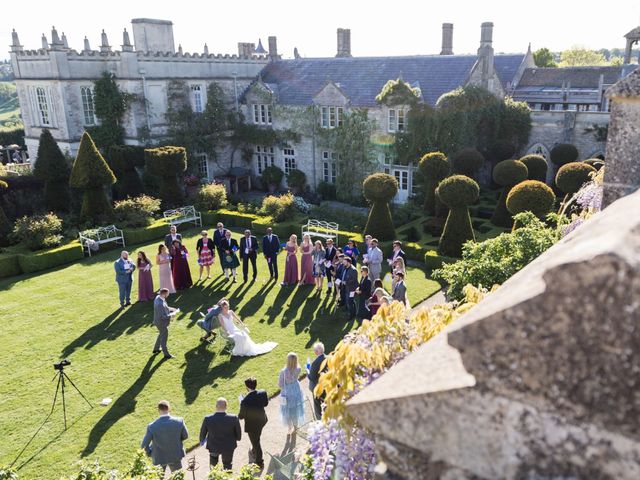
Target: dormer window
331, 117
261, 114
397, 120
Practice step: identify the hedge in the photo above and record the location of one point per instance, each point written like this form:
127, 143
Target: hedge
9, 266
34, 262
156, 230
433, 261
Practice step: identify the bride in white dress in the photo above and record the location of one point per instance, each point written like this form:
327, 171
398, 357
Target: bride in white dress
239, 333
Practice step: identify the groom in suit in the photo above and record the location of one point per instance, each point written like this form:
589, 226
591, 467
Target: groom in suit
270, 249
219, 234
164, 437
248, 253
162, 314
124, 277
255, 418
221, 432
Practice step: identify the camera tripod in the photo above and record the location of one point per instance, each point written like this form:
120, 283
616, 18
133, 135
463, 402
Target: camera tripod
61, 382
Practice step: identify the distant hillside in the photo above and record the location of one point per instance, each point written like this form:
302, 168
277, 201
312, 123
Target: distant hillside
10, 118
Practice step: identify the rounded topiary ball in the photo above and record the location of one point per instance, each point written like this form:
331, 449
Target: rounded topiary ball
564, 153
380, 187
467, 161
596, 163
536, 166
510, 172
502, 150
572, 176
434, 165
458, 191
531, 196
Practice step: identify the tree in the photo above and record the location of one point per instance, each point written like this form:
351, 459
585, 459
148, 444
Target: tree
544, 58
110, 106
379, 189
536, 167
53, 170
457, 192
91, 173
467, 161
581, 57
507, 174
123, 160
434, 167
167, 163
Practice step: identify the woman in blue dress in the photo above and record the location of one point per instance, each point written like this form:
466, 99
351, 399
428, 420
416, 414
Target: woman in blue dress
291, 396
352, 251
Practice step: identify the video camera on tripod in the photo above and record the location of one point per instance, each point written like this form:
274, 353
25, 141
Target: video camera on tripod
61, 364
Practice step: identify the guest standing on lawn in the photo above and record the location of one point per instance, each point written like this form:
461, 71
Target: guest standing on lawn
397, 267
291, 397
172, 236
270, 250
162, 314
124, 277
229, 258
206, 253
219, 235
306, 261
291, 261
318, 257
375, 302
145, 279
163, 260
180, 266
329, 260
373, 259
364, 293
248, 253
351, 250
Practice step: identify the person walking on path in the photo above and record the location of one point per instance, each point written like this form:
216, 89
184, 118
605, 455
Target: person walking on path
221, 432
255, 418
162, 314
146, 291
163, 260
124, 277
163, 439
291, 396
314, 377
270, 249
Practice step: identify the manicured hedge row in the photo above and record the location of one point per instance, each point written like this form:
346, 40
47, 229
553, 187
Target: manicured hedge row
155, 231
432, 260
36, 261
9, 266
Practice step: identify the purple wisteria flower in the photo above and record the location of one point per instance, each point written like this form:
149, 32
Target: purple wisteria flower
590, 196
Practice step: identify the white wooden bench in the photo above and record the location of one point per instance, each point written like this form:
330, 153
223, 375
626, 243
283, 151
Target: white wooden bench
183, 215
319, 228
92, 239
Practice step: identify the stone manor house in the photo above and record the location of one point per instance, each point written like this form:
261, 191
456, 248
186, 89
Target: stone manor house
55, 90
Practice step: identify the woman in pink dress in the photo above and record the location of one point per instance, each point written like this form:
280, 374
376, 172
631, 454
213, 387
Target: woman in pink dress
291, 261
306, 262
180, 267
145, 280
163, 260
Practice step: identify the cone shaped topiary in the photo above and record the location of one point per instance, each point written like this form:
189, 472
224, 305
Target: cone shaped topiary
563, 153
379, 189
434, 167
467, 161
536, 166
167, 163
123, 160
507, 174
92, 174
531, 196
52, 168
572, 176
457, 192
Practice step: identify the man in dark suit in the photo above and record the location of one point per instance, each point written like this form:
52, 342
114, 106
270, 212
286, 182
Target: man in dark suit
270, 249
364, 292
163, 439
255, 418
400, 289
221, 432
314, 376
172, 236
349, 285
162, 314
329, 255
248, 253
218, 236
397, 252
337, 278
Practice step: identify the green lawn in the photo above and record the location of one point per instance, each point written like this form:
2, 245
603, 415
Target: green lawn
10, 111
73, 312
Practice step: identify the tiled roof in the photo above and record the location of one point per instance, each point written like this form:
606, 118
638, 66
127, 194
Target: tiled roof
361, 78
578, 77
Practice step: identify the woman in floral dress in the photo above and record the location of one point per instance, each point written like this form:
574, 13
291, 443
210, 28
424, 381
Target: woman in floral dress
206, 253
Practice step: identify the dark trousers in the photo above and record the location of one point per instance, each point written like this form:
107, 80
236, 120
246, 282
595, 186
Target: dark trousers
329, 273
256, 448
363, 312
161, 341
317, 402
172, 467
220, 255
351, 304
272, 261
245, 266
227, 459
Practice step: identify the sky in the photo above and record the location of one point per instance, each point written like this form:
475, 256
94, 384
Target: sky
405, 27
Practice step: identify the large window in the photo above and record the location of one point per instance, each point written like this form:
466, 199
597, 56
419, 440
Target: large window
88, 106
331, 117
44, 111
261, 113
402, 176
197, 100
203, 164
397, 120
329, 166
289, 160
264, 158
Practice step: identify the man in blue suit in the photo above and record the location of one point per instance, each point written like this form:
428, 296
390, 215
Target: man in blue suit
219, 234
164, 437
270, 249
124, 277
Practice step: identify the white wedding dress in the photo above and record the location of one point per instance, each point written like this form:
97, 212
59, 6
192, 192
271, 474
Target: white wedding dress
243, 345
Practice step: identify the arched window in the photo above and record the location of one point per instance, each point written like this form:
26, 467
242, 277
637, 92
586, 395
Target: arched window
539, 149
196, 95
43, 106
88, 106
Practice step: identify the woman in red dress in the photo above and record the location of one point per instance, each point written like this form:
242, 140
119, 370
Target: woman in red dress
206, 253
180, 266
145, 279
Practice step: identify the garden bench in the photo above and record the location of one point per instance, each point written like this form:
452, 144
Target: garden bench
183, 215
319, 228
92, 239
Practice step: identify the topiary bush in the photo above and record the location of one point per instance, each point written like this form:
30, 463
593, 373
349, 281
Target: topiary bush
296, 179
38, 232
531, 196
211, 197
457, 192
326, 190
413, 235
564, 153
92, 175
167, 163
572, 176
52, 168
123, 160
434, 167
379, 189
136, 212
502, 150
536, 166
596, 163
467, 161
507, 174
279, 207
272, 176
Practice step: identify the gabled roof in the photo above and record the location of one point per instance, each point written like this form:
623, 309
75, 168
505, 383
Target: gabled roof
362, 78
578, 77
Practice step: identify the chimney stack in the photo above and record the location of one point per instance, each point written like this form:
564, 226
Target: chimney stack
45, 44
126, 42
344, 42
15, 42
485, 57
246, 49
104, 46
56, 43
87, 47
486, 35
447, 39
273, 48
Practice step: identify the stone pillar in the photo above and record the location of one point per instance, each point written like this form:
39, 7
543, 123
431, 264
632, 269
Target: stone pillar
104, 45
273, 48
447, 39
87, 47
126, 42
15, 42
622, 173
246, 49
485, 55
344, 42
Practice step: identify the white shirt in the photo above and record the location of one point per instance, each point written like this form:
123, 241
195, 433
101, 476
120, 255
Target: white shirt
248, 245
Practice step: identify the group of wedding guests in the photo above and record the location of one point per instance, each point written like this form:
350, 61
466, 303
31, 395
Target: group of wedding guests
221, 431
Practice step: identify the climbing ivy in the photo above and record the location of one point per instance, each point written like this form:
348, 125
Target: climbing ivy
398, 92
110, 104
